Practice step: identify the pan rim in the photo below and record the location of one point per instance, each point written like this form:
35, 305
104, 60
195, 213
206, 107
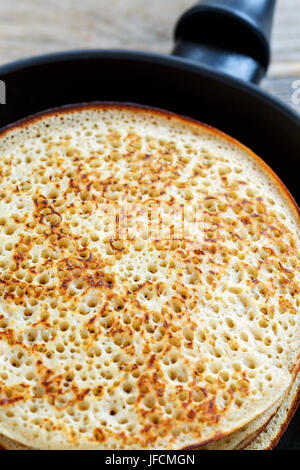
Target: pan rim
171, 61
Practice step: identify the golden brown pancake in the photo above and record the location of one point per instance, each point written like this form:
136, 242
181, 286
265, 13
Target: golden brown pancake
149, 282
270, 435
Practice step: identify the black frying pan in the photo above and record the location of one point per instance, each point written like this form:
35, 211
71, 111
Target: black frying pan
221, 54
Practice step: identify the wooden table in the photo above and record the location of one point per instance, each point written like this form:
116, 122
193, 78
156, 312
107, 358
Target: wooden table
29, 27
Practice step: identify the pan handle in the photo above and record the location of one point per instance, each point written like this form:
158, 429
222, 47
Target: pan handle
230, 36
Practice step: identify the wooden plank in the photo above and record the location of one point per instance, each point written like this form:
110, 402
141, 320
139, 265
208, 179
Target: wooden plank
286, 39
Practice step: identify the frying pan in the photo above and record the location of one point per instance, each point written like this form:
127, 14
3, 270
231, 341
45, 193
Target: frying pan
221, 54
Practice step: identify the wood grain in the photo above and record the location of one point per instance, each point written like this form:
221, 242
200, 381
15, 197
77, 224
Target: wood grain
39, 26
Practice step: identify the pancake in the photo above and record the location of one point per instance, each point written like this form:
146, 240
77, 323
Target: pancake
247, 438
9, 444
246, 433
235, 441
239, 440
149, 282
270, 435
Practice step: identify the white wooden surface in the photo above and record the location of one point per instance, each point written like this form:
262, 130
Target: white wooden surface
29, 27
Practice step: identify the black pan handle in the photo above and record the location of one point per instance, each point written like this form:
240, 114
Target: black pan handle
230, 36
